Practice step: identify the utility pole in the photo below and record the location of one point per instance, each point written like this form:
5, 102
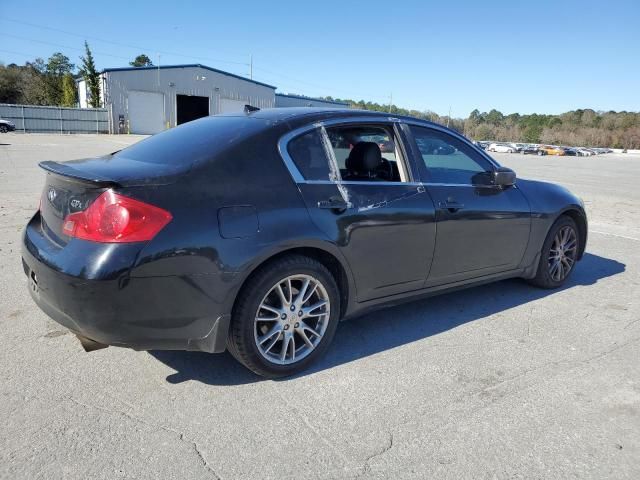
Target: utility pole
390, 101
449, 117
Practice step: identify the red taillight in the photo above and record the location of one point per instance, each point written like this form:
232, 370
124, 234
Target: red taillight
114, 218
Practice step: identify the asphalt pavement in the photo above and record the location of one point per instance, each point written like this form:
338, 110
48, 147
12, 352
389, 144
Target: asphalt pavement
499, 381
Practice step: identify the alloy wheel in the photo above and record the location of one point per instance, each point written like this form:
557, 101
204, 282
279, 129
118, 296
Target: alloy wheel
562, 254
292, 319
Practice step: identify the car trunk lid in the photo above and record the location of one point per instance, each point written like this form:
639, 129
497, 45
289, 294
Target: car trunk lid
72, 186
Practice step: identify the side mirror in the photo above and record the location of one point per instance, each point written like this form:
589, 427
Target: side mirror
504, 177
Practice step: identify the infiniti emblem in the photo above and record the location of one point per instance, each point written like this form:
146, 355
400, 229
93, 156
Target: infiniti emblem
52, 194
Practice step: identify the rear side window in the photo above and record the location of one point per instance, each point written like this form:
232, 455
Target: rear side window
308, 153
193, 142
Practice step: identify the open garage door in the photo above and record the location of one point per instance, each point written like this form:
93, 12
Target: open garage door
146, 112
231, 106
191, 107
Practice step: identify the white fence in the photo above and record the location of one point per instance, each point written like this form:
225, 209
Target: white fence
31, 118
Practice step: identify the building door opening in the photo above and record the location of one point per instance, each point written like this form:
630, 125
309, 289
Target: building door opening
191, 107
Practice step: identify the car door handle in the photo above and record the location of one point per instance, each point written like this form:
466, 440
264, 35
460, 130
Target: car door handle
337, 204
451, 206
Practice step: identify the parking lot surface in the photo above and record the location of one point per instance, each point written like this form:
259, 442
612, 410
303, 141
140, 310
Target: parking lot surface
498, 381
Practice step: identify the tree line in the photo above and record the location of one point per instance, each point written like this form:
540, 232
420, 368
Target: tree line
583, 127
53, 82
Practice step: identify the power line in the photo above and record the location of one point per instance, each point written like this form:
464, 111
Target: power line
18, 53
314, 85
134, 47
139, 48
58, 45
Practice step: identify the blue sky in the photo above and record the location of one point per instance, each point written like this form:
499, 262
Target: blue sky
536, 56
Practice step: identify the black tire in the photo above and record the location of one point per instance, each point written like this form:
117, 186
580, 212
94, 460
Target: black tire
543, 278
4, 129
540, 153
242, 343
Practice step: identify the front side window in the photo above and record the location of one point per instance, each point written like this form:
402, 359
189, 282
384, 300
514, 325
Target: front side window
450, 160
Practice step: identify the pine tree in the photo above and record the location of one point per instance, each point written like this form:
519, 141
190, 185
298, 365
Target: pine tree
69, 91
91, 76
56, 68
141, 61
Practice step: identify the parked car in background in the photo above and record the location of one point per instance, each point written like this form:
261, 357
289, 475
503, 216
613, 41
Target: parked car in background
258, 232
386, 146
551, 150
532, 150
6, 126
570, 152
585, 152
501, 148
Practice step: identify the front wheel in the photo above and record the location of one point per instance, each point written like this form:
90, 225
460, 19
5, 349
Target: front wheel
559, 254
285, 317
4, 129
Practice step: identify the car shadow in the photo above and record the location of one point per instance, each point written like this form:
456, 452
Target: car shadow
391, 327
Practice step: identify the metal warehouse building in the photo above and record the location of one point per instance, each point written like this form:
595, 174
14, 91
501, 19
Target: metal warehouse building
283, 100
148, 100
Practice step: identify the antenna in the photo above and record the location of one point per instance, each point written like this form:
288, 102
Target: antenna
390, 101
251, 66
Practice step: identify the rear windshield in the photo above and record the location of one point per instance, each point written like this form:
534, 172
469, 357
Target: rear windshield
193, 142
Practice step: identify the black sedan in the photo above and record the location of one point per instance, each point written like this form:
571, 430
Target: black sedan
258, 232
532, 150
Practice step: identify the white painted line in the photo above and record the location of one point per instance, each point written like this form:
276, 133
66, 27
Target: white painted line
615, 235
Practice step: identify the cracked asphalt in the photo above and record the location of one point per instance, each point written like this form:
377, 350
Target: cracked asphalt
499, 381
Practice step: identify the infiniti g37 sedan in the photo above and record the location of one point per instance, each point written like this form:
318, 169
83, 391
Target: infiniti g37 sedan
259, 231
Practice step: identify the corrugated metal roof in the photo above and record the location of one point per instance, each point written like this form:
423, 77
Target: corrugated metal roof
189, 65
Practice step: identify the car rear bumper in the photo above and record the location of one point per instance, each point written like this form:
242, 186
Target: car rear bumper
144, 313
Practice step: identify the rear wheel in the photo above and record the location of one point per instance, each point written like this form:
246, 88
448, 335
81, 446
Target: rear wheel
559, 254
285, 317
540, 153
4, 129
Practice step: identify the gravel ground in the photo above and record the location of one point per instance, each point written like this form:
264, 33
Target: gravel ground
498, 381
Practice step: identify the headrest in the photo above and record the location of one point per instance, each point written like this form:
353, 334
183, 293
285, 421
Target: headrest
364, 157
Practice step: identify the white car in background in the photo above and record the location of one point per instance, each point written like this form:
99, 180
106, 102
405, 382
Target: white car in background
584, 152
501, 148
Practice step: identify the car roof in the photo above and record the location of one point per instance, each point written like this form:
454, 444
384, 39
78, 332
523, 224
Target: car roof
295, 113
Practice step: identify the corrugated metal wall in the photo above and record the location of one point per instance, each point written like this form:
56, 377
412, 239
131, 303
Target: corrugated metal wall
30, 118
